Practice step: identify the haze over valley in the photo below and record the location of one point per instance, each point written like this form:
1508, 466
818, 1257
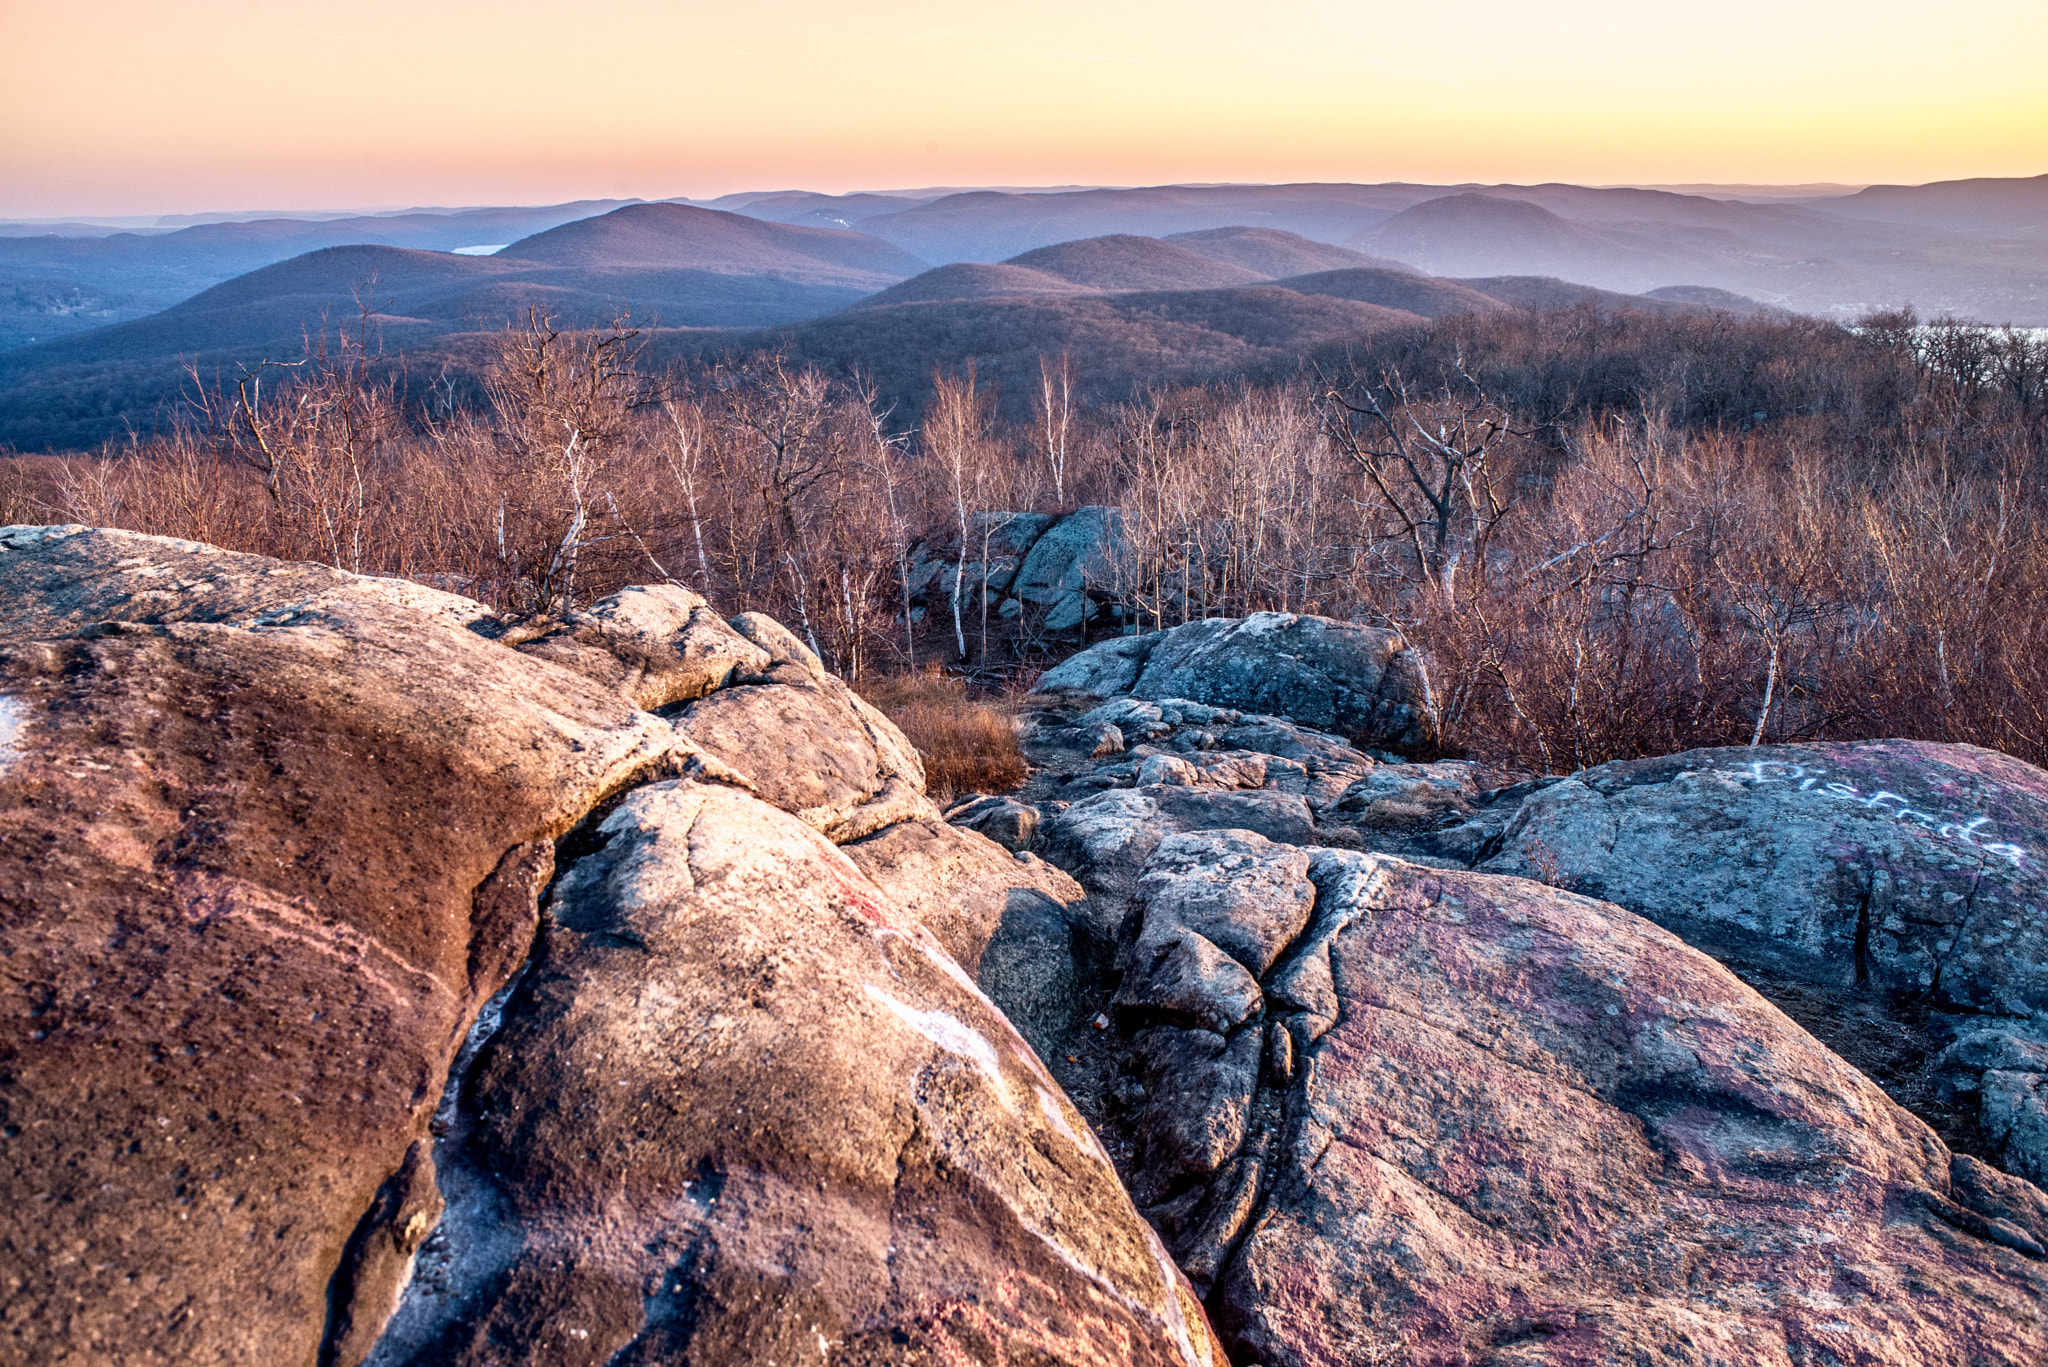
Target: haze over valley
97, 326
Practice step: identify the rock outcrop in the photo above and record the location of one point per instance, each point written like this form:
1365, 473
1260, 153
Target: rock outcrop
743, 1110
1059, 568
1440, 1117
392, 983
269, 836
1896, 868
273, 837
1391, 1109
1361, 682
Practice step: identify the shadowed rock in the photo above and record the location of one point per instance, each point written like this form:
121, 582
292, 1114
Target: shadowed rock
1361, 681
1897, 868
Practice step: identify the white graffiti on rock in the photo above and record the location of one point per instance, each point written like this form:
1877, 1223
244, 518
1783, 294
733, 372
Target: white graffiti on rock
1961, 829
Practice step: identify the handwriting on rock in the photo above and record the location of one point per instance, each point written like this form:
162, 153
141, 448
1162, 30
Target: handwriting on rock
1963, 830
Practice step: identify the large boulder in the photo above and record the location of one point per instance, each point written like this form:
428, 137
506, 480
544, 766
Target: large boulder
272, 840
1362, 682
1914, 866
1383, 1112
744, 1110
658, 645
1066, 560
957, 882
1898, 870
269, 837
799, 738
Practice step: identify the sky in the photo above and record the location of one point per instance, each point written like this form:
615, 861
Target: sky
140, 107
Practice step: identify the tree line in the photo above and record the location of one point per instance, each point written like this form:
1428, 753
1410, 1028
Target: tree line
1611, 533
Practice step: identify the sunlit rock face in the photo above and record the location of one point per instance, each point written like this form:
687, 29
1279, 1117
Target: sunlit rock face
742, 1109
390, 982
273, 841
269, 836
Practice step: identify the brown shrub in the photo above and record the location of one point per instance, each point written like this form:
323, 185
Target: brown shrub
968, 745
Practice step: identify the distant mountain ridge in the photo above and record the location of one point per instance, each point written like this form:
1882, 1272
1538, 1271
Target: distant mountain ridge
1977, 248
1272, 280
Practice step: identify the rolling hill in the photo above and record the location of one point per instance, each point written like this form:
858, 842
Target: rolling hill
991, 225
1123, 261
1980, 208
684, 237
1476, 234
971, 280
1115, 340
1275, 254
1186, 294
1424, 295
129, 275
75, 390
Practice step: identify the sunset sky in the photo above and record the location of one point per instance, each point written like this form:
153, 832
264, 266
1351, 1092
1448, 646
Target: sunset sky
139, 106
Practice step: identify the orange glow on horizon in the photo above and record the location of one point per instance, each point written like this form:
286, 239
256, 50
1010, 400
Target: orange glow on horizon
126, 107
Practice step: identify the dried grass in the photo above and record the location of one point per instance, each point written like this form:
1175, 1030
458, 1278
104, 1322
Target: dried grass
968, 745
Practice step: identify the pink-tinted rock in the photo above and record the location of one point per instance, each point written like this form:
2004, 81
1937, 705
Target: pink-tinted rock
269, 835
1542, 1129
743, 1109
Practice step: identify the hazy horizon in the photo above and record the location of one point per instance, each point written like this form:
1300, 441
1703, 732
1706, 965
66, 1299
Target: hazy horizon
187, 217
119, 108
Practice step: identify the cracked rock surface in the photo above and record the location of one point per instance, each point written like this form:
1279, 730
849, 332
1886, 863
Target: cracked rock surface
1372, 1105
1391, 1108
272, 840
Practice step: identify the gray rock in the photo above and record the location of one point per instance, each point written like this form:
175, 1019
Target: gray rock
1104, 841
1070, 612
1246, 894
1040, 966
1008, 822
2015, 1118
1200, 1086
1183, 712
1915, 867
1339, 676
956, 882
1135, 718
1406, 796
1275, 815
1106, 669
1167, 769
1074, 554
1181, 976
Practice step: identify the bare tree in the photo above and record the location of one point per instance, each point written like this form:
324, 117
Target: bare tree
1056, 420
955, 427
1427, 461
